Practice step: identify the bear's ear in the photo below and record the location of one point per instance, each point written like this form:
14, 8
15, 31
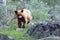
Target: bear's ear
21, 10
15, 11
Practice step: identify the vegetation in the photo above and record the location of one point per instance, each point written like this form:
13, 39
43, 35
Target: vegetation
41, 10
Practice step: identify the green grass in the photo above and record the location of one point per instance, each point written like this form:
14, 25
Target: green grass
17, 35
20, 35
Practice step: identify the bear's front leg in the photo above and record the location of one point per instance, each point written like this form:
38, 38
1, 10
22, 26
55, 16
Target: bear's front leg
23, 25
19, 23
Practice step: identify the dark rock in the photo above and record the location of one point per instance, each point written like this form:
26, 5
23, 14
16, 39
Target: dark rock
42, 29
6, 26
4, 37
56, 32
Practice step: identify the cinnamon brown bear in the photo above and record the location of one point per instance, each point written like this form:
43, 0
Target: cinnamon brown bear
24, 17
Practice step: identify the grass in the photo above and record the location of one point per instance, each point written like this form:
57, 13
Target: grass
17, 35
20, 35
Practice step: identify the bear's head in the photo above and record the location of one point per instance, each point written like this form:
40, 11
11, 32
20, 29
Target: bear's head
18, 13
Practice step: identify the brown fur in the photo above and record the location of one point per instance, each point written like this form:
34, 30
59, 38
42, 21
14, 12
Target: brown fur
24, 16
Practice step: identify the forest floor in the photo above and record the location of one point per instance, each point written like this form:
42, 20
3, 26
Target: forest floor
14, 34
17, 35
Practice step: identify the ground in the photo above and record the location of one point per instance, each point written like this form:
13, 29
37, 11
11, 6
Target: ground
17, 35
